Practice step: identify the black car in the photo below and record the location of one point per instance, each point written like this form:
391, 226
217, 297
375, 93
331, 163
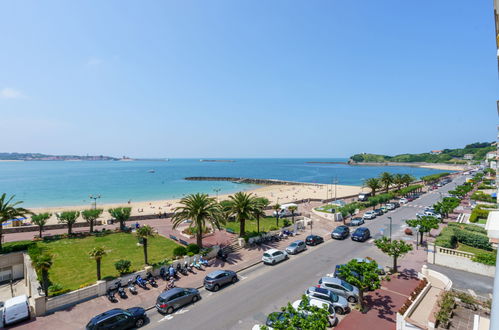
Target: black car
118, 318
379, 212
397, 204
314, 240
361, 234
341, 232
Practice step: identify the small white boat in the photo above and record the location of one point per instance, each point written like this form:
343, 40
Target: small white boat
151, 171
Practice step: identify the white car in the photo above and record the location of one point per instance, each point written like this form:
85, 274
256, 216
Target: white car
274, 256
369, 215
432, 214
332, 320
403, 201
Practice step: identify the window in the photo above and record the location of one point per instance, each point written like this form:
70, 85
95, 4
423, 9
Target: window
120, 318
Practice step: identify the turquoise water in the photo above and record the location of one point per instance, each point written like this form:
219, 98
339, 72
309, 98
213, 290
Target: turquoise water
70, 183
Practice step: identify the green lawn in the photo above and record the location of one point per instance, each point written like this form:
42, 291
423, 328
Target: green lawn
482, 221
467, 248
73, 267
250, 225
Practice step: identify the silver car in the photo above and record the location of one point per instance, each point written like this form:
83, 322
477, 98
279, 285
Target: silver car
340, 304
332, 319
369, 215
216, 279
274, 256
357, 222
341, 288
176, 298
296, 247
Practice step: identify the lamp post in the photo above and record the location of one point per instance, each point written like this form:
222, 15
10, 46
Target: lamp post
217, 190
95, 198
390, 218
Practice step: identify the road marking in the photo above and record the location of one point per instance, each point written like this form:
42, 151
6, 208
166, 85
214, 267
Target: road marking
182, 311
242, 277
371, 240
167, 317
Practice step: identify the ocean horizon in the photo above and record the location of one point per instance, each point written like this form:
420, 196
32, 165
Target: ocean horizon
68, 183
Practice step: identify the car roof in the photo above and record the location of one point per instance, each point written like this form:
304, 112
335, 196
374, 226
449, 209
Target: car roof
216, 272
319, 290
170, 292
271, 251
361, 229
331, 279
106, 314
341, 227
16, 300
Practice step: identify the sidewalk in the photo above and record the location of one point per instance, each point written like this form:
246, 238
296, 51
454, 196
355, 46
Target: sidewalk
78, 316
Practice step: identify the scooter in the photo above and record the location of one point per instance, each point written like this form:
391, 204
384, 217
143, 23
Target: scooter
131, 287
188, 267
164, 274
140, 282
196, 265
181, 270
121, 290
203, 261
110, 295
222, 255
151, 280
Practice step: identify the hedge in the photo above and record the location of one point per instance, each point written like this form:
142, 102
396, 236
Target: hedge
17, 246
446, 239
194, 248
485, 258
179, 251
480, 196
467, 234
464, 226
473, 239
478, 213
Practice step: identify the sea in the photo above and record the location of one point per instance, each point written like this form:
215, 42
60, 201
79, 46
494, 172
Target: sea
65, 183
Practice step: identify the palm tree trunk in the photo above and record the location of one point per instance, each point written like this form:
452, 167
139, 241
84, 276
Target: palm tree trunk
121, 225
277, 220
199, 239
91, 226
258, 224
421, 238
98, 269
145, 250
41, 228
1, 233
241, 227
70, 228
45, 283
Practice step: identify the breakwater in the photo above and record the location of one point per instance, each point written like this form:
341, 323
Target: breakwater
341, 163
245, 180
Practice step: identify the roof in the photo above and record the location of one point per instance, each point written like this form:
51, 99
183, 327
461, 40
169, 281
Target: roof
16, 300
492, 225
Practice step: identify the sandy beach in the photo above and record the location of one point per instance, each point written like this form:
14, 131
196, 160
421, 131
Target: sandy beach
275, 193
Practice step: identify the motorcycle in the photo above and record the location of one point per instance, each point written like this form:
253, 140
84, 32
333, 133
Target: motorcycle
222, 255
164, 274
203, 262
121, 290
196, 265
181, 270
140, 282
188, 267
151, 280
131, 287
110, 295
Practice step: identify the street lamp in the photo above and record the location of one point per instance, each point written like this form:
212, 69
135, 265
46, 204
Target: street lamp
95, 198
217, 190
390, 218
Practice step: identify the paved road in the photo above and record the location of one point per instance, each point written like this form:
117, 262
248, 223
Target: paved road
264, 289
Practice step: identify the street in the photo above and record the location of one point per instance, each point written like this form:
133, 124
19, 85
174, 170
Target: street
264, 289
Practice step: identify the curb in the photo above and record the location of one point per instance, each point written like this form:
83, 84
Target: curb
202, 286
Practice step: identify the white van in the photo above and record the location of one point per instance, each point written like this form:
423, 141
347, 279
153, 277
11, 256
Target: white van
15, 309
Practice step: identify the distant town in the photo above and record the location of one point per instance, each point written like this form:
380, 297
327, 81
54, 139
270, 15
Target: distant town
38, 156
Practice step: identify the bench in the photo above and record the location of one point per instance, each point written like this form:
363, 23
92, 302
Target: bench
230, 231
183, 242
173, 237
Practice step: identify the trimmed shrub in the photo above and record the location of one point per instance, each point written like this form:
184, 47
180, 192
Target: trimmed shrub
470, 238
57, 289
250, 234
16, 246
485, 258
123, 266
193, 248
179, 251
286, 223
480, 196
446, 239
468, 227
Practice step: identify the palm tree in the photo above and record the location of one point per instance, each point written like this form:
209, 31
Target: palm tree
40, 220
408, 179
276, 207
90, 216
259, 211
144, 233
386, 180
398, 180
293, 209
121, 214
243, 205
373, 184
10, 210
202, 210
69, 218
42, 265
97, 253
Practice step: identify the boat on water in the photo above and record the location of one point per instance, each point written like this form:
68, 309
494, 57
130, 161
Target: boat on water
151, 171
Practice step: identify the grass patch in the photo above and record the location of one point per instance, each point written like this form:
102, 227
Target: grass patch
470, 249
73, 267
482, 221
250, 225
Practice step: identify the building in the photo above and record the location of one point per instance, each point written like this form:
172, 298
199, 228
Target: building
436, 152
468, 157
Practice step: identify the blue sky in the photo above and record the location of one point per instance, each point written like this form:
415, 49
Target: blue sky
246, 78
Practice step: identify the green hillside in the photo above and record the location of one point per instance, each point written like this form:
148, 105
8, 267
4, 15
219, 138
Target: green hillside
478, 150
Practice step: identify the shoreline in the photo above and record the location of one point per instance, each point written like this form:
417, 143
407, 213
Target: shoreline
281, 194
435, 166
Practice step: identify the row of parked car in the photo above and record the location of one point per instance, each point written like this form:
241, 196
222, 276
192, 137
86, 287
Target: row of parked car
274, 256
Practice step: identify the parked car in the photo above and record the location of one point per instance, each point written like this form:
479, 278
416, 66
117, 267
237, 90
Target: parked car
338, 275
340, 304
314, 240
378, 212
403, 200
15, 309
380, 269
357, 221
218, 278
396, 204
363, 197
369, 215
296, 247
390, 206
419, 215
341, 288
274, 256
333, 320
118, 318
175, 298
340, 232
361, 234
432, 214
384, 209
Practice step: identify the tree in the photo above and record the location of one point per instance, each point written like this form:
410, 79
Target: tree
408, 179
386, 180
10, 210
123, 266
374, 184
306, 316
90, 216
144, 233
69, 218
40, 220
202, 210
122, 214
97, 254
363, 275
276, 207
398, 180
42, 264
243, 205
292, 209
394, 249
259, 211
425, 223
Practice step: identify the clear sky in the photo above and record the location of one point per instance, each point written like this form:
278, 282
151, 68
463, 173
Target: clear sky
246, 78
